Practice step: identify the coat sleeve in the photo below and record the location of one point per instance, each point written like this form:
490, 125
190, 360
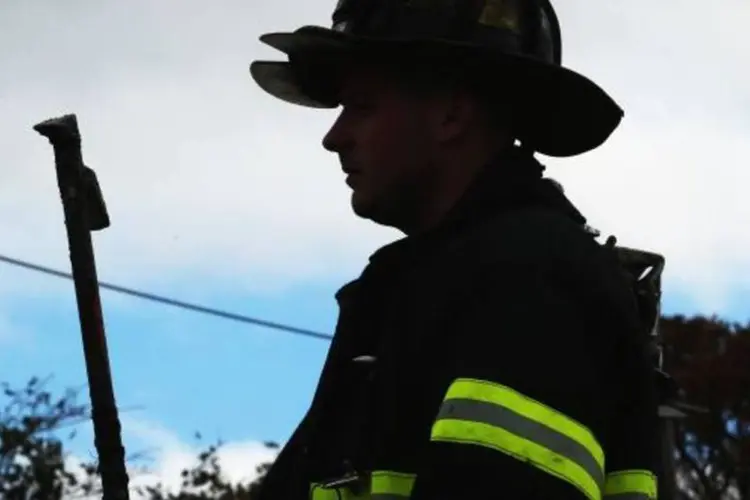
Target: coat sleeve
634, 453
524, 391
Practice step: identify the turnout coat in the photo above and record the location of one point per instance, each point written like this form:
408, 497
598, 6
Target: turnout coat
497, 356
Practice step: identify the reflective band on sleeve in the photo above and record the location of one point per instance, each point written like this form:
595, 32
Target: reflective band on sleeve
387, 485
497, 417
630, 485
384, 485
318, 492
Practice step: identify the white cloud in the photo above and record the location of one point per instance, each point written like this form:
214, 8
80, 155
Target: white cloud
169, 456
207, 177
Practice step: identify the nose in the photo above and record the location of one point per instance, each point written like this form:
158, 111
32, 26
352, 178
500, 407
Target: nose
338, 138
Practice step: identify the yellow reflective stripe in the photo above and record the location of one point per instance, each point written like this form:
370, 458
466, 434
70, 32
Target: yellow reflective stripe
494, 416
387, 485
490, 392
633, 484
319, 492
384, 485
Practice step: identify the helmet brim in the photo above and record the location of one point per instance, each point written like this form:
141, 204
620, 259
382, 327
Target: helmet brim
562, 113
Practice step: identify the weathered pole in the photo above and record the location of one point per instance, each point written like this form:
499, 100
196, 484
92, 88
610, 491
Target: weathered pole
85, 211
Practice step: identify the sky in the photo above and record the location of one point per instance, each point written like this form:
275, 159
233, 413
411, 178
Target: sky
220, 194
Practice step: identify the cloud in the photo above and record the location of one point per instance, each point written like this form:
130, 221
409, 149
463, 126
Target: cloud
169, 456
196, 174
208, 178
672, 178
238, 462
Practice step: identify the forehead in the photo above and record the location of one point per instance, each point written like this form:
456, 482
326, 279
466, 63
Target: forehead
382, 80
364, 79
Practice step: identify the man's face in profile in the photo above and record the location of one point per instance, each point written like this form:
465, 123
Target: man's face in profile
384, 142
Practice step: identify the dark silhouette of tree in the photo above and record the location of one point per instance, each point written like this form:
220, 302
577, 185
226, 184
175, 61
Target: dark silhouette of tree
31, 452
33, 425
710, 360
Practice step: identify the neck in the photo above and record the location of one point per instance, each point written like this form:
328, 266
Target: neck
451, 179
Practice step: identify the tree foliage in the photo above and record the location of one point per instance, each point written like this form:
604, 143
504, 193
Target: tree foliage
31, 456
710, 359
33, 425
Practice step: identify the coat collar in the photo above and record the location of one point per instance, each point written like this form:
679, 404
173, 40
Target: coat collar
512, 180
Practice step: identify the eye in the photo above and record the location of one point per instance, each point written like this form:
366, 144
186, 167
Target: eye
358, 105
359, 109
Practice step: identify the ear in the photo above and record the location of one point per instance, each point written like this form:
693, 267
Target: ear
453, 114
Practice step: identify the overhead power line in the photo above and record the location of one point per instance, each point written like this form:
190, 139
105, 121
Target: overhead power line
173, 302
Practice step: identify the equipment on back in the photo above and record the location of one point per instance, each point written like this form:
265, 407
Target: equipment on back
644, 270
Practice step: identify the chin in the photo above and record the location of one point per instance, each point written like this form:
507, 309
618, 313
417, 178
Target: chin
364, 207
367, 209
360, 206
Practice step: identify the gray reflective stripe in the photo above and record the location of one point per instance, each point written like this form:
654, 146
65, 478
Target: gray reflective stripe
627, 496
497, 416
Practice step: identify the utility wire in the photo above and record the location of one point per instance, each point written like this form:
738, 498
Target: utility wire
173, 302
